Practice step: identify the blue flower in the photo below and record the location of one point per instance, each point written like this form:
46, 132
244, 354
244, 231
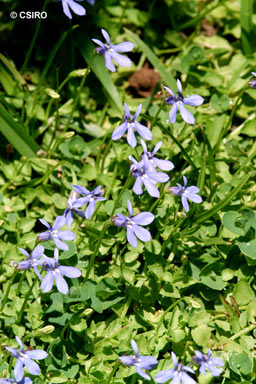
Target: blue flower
76, 8
151, 162
132, 224
25, 358
149, 179
90, 197
206, 362
177, 374
25, 380
190, 193
33, 260
178, 101
111, 52
131, 124
70, 210
54, 233
253, 81
141, 363
55, 272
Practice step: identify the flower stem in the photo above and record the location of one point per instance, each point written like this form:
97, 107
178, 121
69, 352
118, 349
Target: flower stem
228, 126
112, 372
58, 139
25, 301
7, 291
168, 310
102, 233
134, 378
243, 332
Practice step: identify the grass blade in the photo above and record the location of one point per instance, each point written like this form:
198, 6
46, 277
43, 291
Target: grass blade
166, 76
16, 135
98, 67
248, 41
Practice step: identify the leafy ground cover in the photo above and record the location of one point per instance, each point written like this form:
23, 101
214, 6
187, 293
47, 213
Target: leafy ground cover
128, 261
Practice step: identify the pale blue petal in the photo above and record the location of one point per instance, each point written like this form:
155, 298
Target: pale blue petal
106, 36
90, 209
127, 360
179, 86
185, 114
47, 282
164, 376
19, 342
59, 222
187, 379
135, 347
185, 202
137, 188
138, 110
143, 131
131, 237
173, 113
24, 252
142, 233
131, 137
76, 8
143, 218
195, 198
71, 272
121, 60
194, 100
61, 284
99, 43
31, 366
151, 189
38, 251
119, 131
18, 370
66, 235
37, 354
165, 165
109, 63
81, 190
66, 9
126, 46
158, 146
169, 90
129, 207
142, 373
45, 223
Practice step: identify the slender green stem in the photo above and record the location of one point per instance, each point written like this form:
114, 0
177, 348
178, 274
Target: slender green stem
7, 291
229, 123
58, 140
134, 378
29, 52
166, 241
168, 310
25, 301
103, 231
243, 332
112, 373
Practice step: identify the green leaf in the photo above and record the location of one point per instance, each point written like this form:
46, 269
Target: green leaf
166, 76
240, 363
16, 135
248, 248
243, 293
247, 32
211, 276
201, 335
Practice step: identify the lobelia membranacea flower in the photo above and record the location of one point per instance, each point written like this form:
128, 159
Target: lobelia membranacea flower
133, 223
131, 124
177, 374
178, 101
207, 362
70, 210
25, 380
111, 52
54, 233
90, 197
33, 260
253, 81
25, 358
141, 363
55, 272
151, 162
149, 179
76, 8
190, 193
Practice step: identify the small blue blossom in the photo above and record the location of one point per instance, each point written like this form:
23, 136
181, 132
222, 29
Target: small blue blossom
70, 210
177, 374
131, 124
190, 193
25, 380
33, 261
54, 233
111, 52
178, 101
55, 272
132, 224
141, 363
151, 162
90, 197
253, 81
25, 358
207, 362
149, 179
76, 8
